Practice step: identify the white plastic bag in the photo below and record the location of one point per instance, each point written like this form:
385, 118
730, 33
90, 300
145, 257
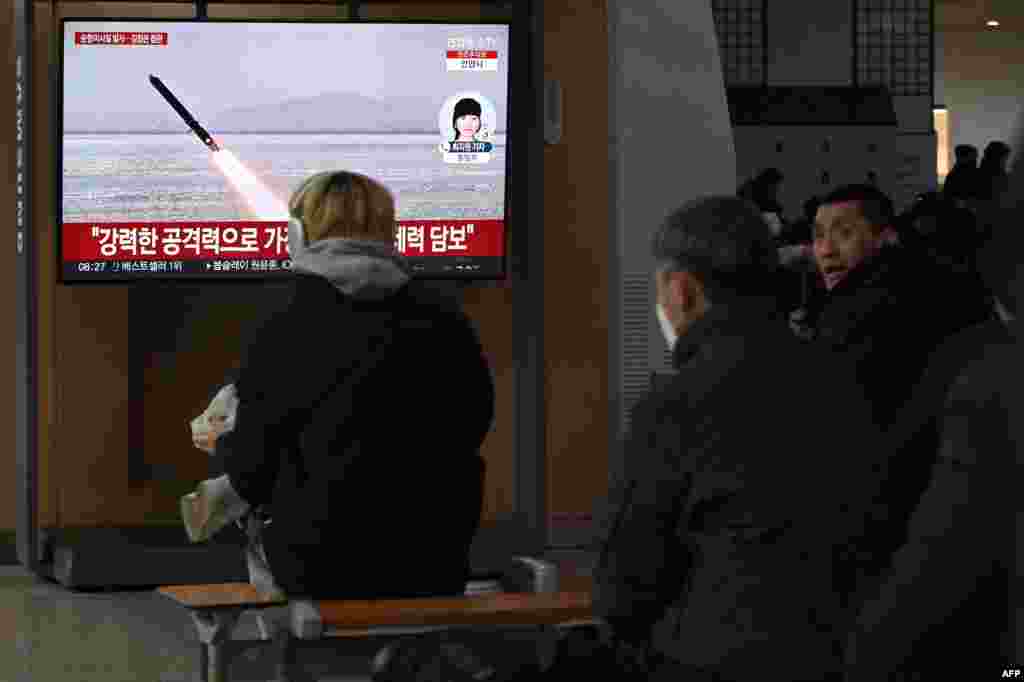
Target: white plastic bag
213, 505
217, 419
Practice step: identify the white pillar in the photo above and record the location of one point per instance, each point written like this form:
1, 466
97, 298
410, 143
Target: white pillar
670, 141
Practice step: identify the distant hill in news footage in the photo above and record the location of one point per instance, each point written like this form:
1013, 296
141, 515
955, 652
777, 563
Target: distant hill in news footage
334, 112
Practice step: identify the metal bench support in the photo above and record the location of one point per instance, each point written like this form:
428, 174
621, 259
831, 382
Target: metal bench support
215, 629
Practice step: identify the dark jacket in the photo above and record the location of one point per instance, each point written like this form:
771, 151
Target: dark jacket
961, 183
730, 522
800, 231
888, 317
945, 608
359, 424
990, 183
889, 314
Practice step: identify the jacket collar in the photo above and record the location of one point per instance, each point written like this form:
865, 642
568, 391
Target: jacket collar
733, 318
872, 272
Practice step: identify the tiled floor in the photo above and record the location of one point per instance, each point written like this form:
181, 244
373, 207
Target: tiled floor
51, 634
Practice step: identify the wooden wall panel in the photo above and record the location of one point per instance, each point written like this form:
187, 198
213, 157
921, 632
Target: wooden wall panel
276, 11
491, 311
42, 197
422, 9
8, 469
86, 464
576, 253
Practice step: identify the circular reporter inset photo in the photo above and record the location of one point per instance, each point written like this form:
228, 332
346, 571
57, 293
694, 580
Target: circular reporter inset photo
467, 122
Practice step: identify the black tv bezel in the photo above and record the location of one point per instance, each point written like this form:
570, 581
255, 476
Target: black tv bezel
518, 82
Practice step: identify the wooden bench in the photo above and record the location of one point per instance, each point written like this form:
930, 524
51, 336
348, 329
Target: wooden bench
529, 596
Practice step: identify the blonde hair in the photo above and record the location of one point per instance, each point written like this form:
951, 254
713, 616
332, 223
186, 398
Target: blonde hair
344, 205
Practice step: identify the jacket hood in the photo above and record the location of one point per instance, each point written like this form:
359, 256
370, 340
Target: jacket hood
358, 268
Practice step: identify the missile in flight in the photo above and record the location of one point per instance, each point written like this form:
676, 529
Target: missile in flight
187, 117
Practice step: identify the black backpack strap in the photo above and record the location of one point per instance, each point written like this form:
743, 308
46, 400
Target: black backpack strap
352, 379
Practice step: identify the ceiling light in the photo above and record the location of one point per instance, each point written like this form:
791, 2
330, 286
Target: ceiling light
992, 22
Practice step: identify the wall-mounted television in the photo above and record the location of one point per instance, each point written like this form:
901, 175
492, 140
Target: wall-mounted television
182, 141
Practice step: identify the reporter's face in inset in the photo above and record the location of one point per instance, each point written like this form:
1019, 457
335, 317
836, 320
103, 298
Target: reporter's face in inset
466, 120
843, 239
468, 126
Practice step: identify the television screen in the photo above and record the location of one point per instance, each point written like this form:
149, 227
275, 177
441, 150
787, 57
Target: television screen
182, 141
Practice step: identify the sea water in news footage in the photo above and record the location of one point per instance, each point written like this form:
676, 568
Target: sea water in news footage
166, 178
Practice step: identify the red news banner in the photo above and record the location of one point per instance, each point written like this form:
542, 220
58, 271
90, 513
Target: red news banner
250, 240
119, 38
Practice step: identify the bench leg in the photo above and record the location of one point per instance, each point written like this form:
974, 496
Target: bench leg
288, 667
204, 662
214, 634
218, 666
286, 664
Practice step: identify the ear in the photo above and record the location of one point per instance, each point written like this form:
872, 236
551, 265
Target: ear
683, 290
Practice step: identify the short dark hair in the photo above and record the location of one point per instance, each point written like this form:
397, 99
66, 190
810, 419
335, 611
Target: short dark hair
962, 151
811, 206
769, 176
997, 150
875, 205
724, 241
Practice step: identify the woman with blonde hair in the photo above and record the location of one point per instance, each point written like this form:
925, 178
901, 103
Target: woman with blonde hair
361, 408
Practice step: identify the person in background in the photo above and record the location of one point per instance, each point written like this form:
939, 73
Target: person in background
362, 406
725, 547
944, 231
763, 191
950, 604
991, 178
943, 606
796, 254
961, 181
886, 307
801, 231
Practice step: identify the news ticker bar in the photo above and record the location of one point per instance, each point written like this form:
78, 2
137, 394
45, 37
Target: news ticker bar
248, 240
223, 269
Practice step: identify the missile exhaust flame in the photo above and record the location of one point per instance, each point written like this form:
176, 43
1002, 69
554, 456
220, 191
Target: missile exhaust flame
261, 201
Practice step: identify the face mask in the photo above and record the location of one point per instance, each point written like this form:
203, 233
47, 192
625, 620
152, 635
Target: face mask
669, 332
